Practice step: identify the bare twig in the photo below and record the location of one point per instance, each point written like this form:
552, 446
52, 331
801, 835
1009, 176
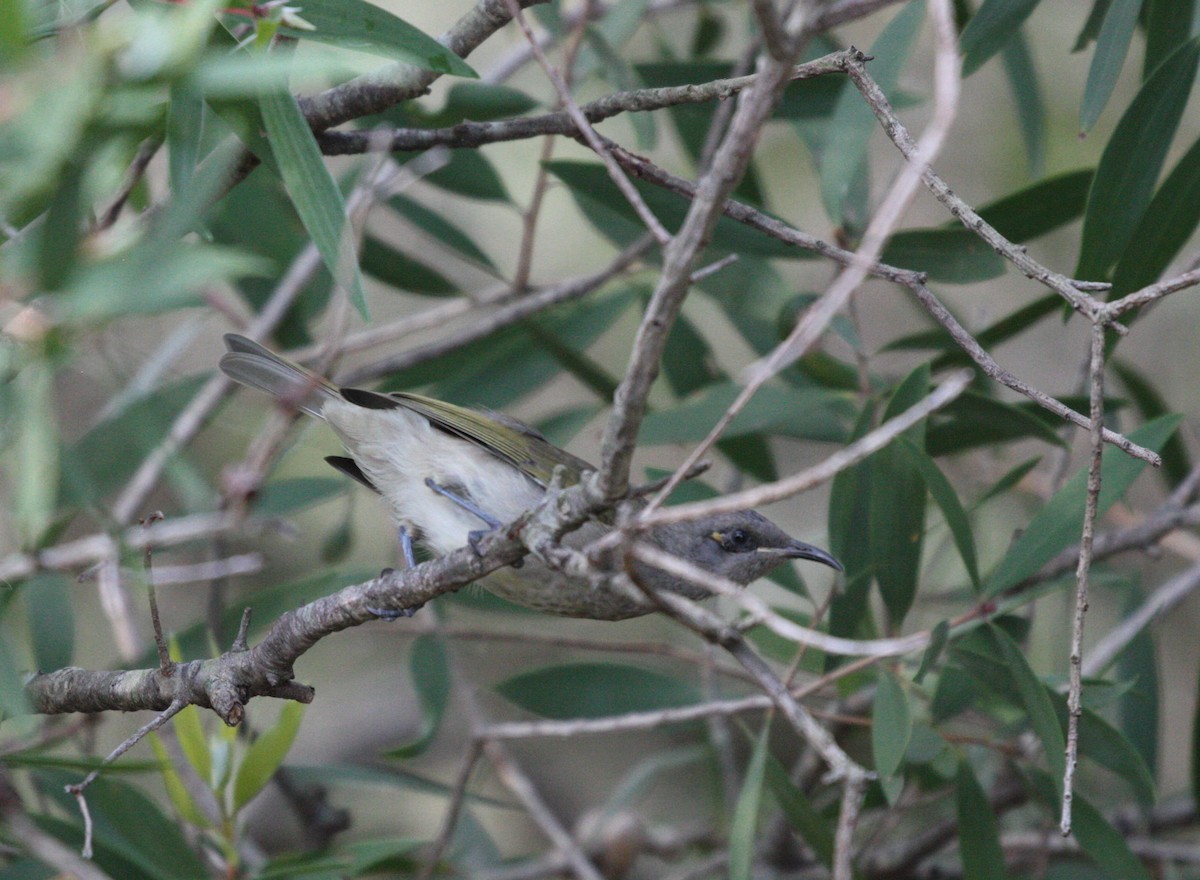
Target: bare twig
164, 656
1074, 693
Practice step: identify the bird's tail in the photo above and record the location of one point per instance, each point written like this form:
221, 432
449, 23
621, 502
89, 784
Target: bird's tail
251, 364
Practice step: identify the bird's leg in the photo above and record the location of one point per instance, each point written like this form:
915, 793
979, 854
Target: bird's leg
410, 562
473, 537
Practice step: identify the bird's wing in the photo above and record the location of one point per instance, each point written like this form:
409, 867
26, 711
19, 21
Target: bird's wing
529, 451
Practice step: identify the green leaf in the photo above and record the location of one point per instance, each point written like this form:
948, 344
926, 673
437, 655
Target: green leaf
937, 644
891, 725
479, 102
811, 414
1009, 479
470, 174
1111, 47
978, 834
266, 754
1103, 843
955, 255
313, 192
745, 812
364, 27
594, 690
177, 791
441, 229
1139, 709
36, 452
1131, 162
1041, 207
946, 499
387, 264
1036, 700
1150, 405
1059, 521
611, 214
853, 123
800, 812
1169, 222
849, 536
990, 29
192, 742
1027, 94
975, 420
285, 497
1099, 741
429, 670
1167, 23
897, 523
688, 361
51, 615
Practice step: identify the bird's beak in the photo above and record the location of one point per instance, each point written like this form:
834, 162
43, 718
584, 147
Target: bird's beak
800, 550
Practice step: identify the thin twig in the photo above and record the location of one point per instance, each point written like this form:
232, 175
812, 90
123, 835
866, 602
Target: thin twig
1074, 693
164, 656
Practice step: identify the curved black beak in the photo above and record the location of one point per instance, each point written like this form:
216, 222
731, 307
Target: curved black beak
800, 550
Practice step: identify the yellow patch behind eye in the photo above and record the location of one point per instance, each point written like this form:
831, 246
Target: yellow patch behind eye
719, 537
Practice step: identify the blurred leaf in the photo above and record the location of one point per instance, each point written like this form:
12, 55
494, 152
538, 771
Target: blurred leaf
990, 29
891, 725
975, 420
1091, 26
396, 269
1140, 708
14, 701
688, 362
1027, 94
387, 776
616, 70
177, 791
1099, 741
364, 27
1131, 162
1036, 700
807, 413
952, 254
437, 227
897, 524
51, 616
104, 458
132, 836
1058, 523
1167, 23
611, 214
313, 192
58, 238
1111, 47
185, 132
470, 174
36, 454
800, 813
266, 754
853, 123
284, 497
1103, 843
429, 670
479, 102
1167, 225
1040, 207
594, 690
192, 742
1150, 405
849, 535
947, 501
707, 34
1009, 479
937, 644
745, 812
978, 834
954, 694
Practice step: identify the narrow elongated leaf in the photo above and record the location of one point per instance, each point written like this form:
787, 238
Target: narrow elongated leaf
891, 725
1132, 160
853, 123
946, 499
364, 27
1103, 843
1058, 523
1167, 23
192, 742
313, 192
745, 812
397, 269
800, 813
951, 254
430, 672
849, 536
1169, 222
266, 754
181, 798
1150, 404
51, 618
978, 420
284, 497
1140, 708
593, 690
1027, 95
1036, 700
990, 29
1111, 47
36, 454
438, 227
1099, 741
978, 834
897, 526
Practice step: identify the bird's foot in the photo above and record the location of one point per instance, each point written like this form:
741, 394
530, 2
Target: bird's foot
477, 535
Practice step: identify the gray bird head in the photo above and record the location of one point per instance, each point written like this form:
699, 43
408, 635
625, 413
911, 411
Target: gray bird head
742, 546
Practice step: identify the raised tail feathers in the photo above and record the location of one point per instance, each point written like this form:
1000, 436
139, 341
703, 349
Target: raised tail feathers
254, 365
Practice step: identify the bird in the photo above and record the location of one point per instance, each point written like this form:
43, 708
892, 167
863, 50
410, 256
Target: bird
448, 474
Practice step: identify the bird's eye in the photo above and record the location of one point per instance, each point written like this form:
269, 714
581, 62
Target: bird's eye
738, 541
